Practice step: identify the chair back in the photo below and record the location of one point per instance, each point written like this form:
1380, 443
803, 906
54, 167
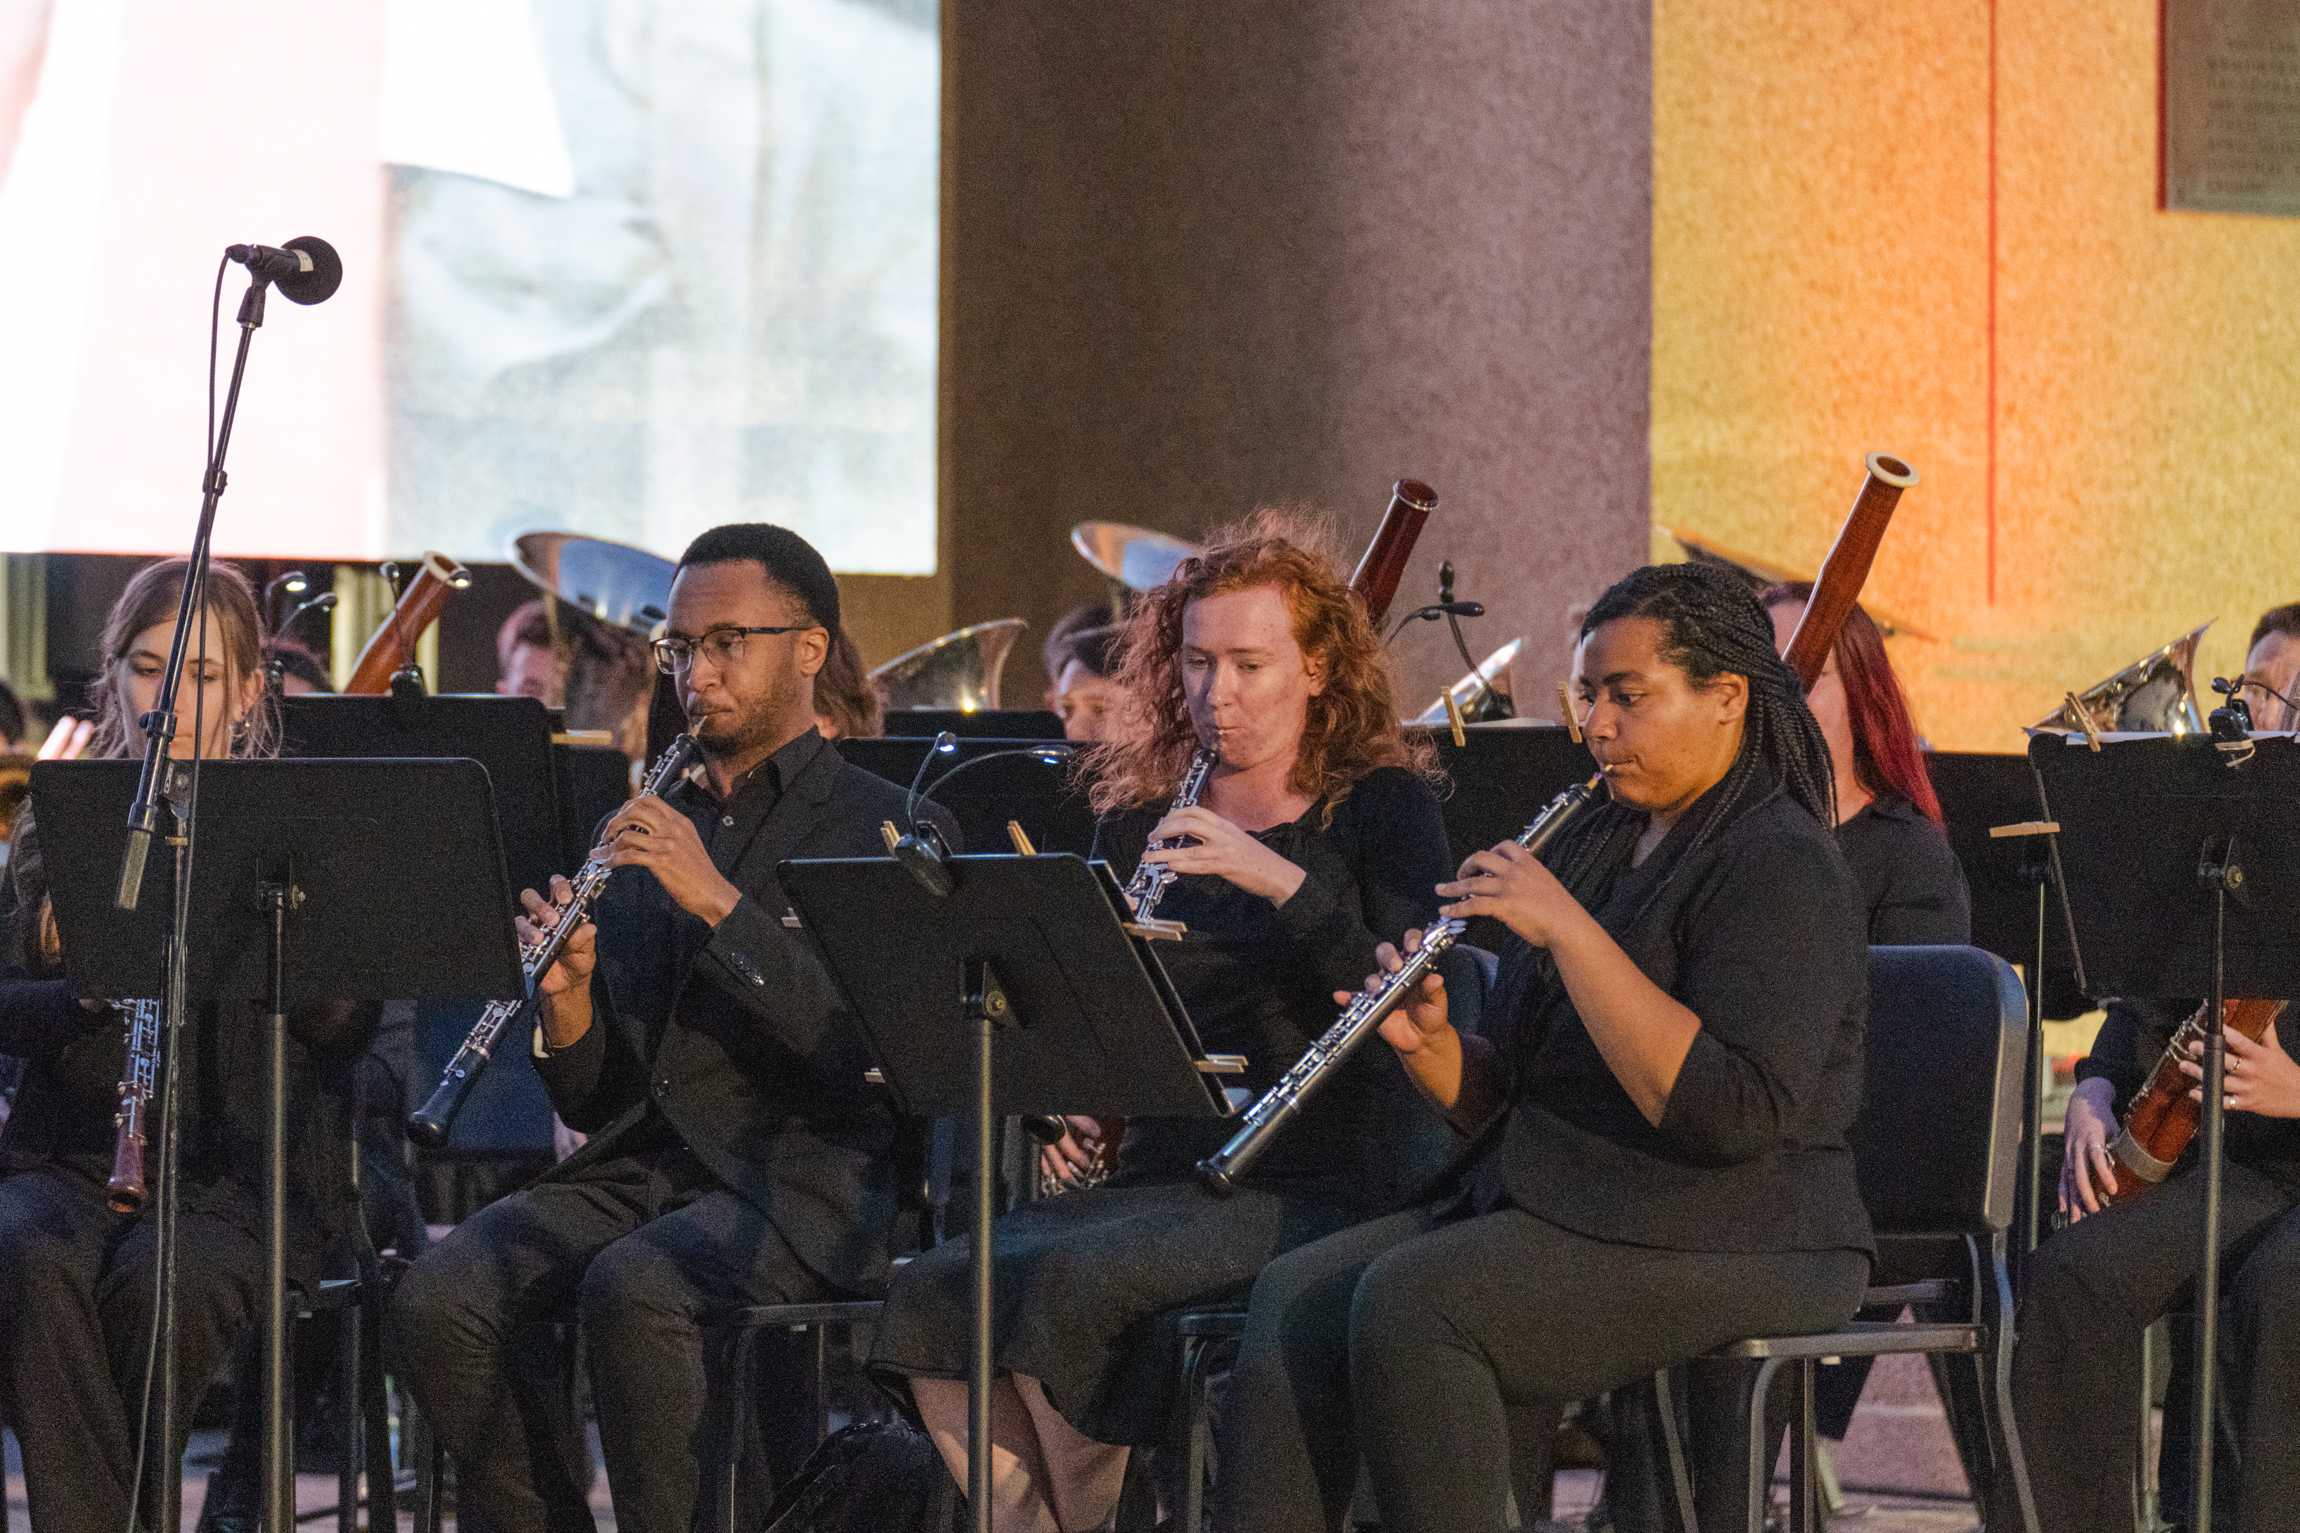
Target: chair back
1938, 1139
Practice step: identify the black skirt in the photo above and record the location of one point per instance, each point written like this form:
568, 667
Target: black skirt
1082, 1283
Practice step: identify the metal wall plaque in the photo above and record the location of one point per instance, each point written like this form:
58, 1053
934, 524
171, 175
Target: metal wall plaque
2232, 106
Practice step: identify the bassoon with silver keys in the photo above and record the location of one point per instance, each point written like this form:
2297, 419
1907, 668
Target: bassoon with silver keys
125, 1190
429, 1124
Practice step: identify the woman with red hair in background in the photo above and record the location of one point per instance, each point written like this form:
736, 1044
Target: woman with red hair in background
1888, 817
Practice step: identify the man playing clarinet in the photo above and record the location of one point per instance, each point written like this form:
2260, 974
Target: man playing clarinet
737, 1154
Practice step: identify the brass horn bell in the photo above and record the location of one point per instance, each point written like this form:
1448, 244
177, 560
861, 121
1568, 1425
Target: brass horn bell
2156, 694
1474, 695
959, 670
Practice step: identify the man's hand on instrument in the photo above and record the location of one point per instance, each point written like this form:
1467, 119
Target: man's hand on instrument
2087, 1169
1418, 1018
2261, 1077
1224, 851
1082, 1147
1510, 884
578, 955
648, 833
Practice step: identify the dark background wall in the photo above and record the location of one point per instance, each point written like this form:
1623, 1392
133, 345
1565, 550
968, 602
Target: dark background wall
1203, 255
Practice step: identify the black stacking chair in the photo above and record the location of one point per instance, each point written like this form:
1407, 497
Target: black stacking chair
789, 1344
1937, 1146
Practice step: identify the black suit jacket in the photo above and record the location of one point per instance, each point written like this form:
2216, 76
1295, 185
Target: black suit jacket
738, 1037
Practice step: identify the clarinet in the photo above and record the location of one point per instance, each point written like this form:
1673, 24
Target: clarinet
429, 1124
1143, 892
1220, 1171
125, 1191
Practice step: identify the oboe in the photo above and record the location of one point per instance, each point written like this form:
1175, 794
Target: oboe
1143, 892
429, 1124
125, 1190
1220, 1171
1148, 885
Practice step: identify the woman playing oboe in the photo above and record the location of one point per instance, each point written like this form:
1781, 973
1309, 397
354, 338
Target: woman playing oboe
1662, 1104
1316, 832
76, 1288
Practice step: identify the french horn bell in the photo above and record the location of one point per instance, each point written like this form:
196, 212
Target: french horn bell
2156, 694
958, 671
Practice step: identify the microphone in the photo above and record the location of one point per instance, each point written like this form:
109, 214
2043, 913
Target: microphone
921, 848
307, 270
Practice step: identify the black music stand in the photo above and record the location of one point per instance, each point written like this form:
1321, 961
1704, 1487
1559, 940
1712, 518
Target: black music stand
1047, 803
2180, 867
1020, 991
313, 880
510, 736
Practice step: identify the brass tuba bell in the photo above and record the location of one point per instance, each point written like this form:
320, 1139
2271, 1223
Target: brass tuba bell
959, 670
1475, 694
2156, 694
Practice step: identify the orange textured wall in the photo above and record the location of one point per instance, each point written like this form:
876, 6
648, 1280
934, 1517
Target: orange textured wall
1932, 226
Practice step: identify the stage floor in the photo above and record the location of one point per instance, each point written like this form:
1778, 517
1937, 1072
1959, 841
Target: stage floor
1898, 1441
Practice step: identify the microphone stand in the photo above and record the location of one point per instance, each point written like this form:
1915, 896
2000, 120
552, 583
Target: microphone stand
157, 786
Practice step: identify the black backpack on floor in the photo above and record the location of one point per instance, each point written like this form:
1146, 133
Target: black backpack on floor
873, 1477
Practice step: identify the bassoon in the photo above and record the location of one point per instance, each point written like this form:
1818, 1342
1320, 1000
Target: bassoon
392, 645
1834, 594
2162, 1119
1383, 564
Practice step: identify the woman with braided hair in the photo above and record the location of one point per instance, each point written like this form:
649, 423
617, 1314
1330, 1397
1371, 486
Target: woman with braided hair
1659, 1112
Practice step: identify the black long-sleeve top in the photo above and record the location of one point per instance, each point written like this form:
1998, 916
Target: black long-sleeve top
1259, 980
73, 1059
2133, 1037
1760, 934
735, 1040
1910, 883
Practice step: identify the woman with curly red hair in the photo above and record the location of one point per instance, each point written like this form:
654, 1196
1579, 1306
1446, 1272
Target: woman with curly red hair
1316, 835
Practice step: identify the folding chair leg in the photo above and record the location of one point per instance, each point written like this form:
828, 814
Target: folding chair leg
351, 1450
1805, 1514
1660, 1401
2008, 1491
1760, 1460
1194, 1414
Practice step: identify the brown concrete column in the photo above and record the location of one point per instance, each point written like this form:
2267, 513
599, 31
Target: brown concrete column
1203, 254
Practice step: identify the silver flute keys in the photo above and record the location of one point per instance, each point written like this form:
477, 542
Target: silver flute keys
1260, 1124
429, 1124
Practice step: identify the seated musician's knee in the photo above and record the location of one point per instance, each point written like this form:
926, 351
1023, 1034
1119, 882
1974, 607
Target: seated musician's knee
625, 1282
432, 1315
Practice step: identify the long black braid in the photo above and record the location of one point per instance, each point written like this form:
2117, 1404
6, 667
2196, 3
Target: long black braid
1711, 625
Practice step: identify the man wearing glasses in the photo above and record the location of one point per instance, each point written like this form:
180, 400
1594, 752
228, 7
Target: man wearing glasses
2095, 1287
737, 1155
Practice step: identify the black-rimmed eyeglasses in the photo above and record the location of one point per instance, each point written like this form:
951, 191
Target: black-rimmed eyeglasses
721, 646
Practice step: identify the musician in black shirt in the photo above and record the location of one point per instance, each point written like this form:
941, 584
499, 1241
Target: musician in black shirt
1662, 1110
76, 1280
737, 1153
2094, 1288
1317, 832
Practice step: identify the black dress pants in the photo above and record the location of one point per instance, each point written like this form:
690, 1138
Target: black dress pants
634, 1248
2094, 1288
1407, 1339
76, 1302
